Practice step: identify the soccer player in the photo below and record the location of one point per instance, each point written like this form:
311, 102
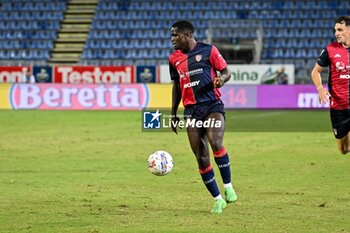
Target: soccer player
193, 68
336, 57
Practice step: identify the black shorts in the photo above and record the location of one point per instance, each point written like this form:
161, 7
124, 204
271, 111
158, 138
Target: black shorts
340, 122
202, 110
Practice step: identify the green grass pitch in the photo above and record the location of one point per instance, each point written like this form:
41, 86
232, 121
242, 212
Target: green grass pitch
86, 171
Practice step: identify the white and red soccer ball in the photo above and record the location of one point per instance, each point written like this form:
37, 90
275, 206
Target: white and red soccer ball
160, 163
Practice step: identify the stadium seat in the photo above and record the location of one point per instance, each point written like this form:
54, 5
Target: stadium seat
28, 28
291, 29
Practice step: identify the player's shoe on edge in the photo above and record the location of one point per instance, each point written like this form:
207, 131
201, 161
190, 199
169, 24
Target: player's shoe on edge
219, 205
230, 195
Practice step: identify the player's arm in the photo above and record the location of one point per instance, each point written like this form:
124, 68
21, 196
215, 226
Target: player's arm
225, 75
323, 94
176, 98
219, 63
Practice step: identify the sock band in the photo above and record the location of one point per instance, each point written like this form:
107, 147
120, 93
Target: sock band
209, 181
223, 162
205, 170
222, 152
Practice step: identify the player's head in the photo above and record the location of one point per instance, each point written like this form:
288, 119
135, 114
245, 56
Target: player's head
184, 26
342, 29
181, 32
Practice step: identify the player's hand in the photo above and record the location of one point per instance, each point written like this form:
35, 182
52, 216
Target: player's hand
323, 95
218, 82
174, 123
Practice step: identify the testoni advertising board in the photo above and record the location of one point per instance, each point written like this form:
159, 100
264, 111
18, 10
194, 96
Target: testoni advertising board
13, 74
94, 74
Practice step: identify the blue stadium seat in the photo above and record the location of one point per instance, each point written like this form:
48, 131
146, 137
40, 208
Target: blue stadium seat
14, 55
28, 28
291, 28
301, 53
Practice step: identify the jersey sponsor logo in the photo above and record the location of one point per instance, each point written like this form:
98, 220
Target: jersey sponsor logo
198, 57
339, 66
337, 55
345, 76
192, 84
194, 72
177, 63
183, 74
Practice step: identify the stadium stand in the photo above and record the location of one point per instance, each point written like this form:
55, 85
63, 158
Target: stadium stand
28, 30
74, 29
292, 32
136, 32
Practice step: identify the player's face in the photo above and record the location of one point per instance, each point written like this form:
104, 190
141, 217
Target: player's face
342, 33
178, 39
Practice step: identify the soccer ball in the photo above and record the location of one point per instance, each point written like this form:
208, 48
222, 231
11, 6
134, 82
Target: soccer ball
160, 163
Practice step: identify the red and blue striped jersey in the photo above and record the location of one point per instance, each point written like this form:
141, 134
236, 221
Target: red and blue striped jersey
196, 71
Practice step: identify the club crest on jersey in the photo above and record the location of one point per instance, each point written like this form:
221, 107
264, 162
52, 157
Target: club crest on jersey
198, 57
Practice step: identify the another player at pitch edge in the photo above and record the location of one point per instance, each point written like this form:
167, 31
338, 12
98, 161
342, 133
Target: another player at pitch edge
336, 56
193, 68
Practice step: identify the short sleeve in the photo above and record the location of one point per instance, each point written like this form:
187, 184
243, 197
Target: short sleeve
216, 59
323, 59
